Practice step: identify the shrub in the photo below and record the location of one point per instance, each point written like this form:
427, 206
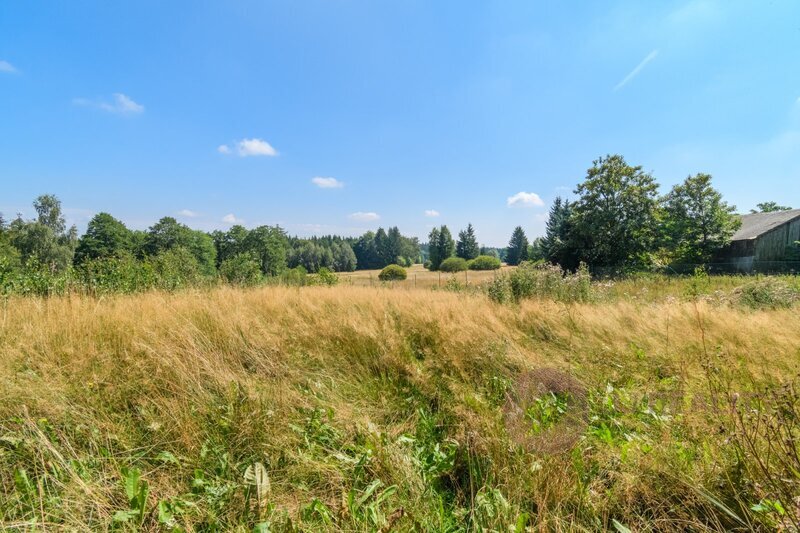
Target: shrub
427, 264
393, 273
122, 273
699, 283
539, 280
241, 269
455, 285
453, 264
767, 293
297, 276
37, 279
499, 290
485, 262
176, 268
326, 277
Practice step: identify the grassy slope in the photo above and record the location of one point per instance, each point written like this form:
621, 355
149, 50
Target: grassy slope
333, 390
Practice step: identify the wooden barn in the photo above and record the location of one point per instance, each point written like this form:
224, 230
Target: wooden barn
763, 241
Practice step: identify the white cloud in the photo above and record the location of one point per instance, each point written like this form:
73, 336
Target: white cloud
249, 147
255, 147
124, 104
525, 199
231, 219
120, 105
635, 72
188, 213
432, 213
364, 217
327, 183
7, 67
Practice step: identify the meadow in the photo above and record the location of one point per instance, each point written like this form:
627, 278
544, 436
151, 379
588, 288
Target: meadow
657, 404
420, 277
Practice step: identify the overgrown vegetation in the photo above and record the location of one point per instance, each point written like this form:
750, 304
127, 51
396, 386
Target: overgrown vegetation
363, 410
541, 280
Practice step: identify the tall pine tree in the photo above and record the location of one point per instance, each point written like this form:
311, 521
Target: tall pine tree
467, 246
446, 245
382, 247
556, 245
517, 251
433, 249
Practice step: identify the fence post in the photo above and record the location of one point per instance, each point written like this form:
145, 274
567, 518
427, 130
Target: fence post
440, 278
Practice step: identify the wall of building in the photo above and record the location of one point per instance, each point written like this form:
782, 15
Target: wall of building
772, 245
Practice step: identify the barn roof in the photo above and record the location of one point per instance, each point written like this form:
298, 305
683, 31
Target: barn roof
755, 225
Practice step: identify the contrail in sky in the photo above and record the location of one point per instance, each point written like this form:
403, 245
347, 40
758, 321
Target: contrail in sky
651, 56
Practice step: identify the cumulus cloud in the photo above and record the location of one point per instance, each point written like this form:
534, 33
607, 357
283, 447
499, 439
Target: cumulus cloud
249, 148
327, 183
230, 218
432, 213
120, 104
364, 217
635, 72
525, 199
188, 213
7, 67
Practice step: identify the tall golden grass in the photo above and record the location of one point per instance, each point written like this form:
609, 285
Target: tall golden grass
335, 389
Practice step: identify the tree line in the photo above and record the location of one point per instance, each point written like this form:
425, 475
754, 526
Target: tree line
617, 220
442, 252
170, 254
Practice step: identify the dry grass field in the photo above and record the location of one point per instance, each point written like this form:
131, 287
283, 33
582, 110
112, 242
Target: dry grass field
370, 409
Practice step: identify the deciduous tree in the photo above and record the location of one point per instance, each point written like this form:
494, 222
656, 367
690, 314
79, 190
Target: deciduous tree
769, 207
615, 218
105, 237
697, 222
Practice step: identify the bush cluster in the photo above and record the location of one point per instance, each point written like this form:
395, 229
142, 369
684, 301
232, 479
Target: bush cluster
541, 280
393, 273
242, 269
453, 264
326, 277
169, 270
767, 293
485, 262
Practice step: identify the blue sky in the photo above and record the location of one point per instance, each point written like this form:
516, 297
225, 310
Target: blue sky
422, 113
